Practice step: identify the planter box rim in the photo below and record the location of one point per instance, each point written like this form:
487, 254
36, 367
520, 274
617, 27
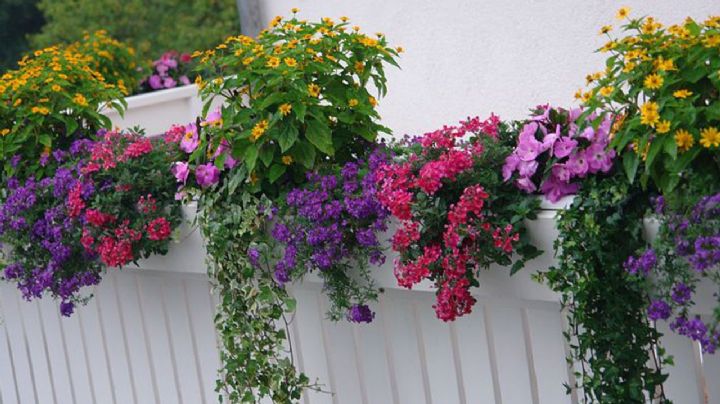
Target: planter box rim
157, 97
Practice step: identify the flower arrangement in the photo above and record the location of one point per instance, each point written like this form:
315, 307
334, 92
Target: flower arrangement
108, 204
173, 69
332, 224
51, 100
298, 93
456, 213
556, 148
114, 60
663, 82
685, 252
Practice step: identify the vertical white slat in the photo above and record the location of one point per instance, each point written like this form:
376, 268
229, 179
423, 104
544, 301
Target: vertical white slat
422, 355
8, 377
77, 358
372, 356
139, 358
23, 365
178, 315
571, 368
700, 375
492, 353
532, 374
57, 350
34, 337
201, 314
437, 350
310, 333
297, 350
510, 348
545, 328
474, 357
360, 363
457, 361
404, 343
391, 366
158, 341
93, 337
711, 366
340, 348
682, 385
114, 331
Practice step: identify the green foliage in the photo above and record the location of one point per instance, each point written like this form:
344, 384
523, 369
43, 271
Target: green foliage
53, 98
18, 18
150, 26
256, 352
612, 343
300, 90
664, 84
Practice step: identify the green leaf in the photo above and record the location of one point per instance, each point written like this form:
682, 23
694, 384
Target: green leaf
304, 153
287, 136
631, 163
45, 140
271, 99
299, 110
267, 153
318, 133
251, 156
276, 171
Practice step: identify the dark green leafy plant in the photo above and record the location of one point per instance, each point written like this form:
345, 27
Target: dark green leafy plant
614, 348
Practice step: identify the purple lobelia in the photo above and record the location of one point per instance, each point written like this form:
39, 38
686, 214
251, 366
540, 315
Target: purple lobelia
332, 226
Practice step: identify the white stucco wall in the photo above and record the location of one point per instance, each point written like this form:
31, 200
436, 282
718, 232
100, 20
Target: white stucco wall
473, 57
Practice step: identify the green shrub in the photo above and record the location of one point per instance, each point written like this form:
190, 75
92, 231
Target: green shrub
151, 27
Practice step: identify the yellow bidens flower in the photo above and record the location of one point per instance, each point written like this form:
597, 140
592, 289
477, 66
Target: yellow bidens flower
605, 29
273, 62
653, 81
56, 88
313, 90
684, 140
663, 127
258, 130
285, 109
663, 64
80, 100
4, 132
622, 13
710, 137
372, 100
359, 67
287, 160
291, 62
682, 93
649, 114
294, 10
247, 60
40, 110
606, 91
353, 102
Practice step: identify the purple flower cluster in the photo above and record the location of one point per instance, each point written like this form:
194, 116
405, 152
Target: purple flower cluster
332, 224
563, 143
698, 331
360, 313
45, 252
642, 264
168, 72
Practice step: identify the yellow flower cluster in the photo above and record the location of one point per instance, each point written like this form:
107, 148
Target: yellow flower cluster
649, 114
258, 130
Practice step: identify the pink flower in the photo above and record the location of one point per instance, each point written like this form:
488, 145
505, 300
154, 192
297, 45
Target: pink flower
598, 158
190, 140
184, 80
578, 164
155, 82
511, 163
169, 82
528, 147
550, 139
526, 185
561, 172
554, 189
527, 168
207, 174
180, 170
138, 148
588, 133
564, 147
214, 118
224, 147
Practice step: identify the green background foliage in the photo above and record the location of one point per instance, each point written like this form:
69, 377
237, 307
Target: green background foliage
18, 18
150, 26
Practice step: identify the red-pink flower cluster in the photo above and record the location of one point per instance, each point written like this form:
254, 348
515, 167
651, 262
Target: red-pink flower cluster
445, 244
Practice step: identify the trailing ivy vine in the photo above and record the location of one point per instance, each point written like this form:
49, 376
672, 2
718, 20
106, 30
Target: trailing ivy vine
255, 349
613, 346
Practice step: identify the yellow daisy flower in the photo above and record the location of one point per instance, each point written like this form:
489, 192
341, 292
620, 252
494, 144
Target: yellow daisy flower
287, 160
682, 93
710, 137
663, 127
353, 102
653, 81
313, 90
622, 13
285, 109
273, 62
684, 140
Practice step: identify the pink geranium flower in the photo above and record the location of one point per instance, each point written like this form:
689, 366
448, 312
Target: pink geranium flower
180, 170
190, 139
207, 175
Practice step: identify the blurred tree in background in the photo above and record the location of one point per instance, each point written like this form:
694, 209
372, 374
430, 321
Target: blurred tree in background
150, 26
18, 18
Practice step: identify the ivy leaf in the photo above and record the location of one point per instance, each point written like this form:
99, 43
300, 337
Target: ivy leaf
318, 133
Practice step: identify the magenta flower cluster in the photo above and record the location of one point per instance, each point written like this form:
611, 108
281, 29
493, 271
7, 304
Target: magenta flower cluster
170, 71
332, 225
555, 148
